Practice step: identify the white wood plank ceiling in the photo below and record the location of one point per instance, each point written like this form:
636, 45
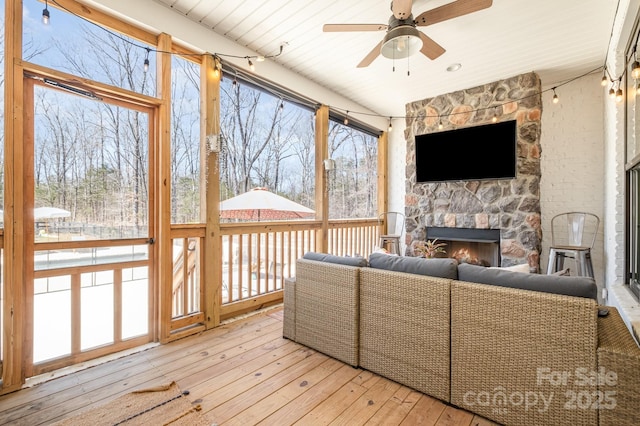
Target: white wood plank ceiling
559, 39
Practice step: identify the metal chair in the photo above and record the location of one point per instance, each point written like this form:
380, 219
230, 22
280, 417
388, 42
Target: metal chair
572, 236
391, 229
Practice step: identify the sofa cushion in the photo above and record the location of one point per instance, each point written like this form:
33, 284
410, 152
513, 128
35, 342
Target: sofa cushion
443, 268
569, 286
330, 258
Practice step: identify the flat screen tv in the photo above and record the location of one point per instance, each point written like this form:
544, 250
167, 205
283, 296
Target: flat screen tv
470, 153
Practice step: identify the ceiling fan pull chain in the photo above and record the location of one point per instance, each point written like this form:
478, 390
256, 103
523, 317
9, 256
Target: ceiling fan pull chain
408, 67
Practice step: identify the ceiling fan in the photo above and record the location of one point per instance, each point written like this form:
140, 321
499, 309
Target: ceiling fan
402, 38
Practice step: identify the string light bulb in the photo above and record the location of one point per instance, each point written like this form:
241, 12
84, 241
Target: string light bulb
612, 92
494, 119
635, 69
281, 105
346, 119
619, 95
604, 81
45, 13
217, 67
555, 96
390, 125
251, 66
440, 125
146, 61
235, 81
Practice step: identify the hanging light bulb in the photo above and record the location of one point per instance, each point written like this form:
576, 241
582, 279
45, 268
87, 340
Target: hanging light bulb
146, 61
216, 67
604, 81
440, 125
390, 125
346, 119
251, 66
235, 81
494, 119
619, 95
281, 105
45, 13
638, 89
555, 96
612, 92
635, 69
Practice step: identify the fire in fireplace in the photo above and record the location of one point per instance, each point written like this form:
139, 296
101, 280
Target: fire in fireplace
465, 255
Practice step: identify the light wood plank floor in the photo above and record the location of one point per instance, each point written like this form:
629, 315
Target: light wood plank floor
242, 373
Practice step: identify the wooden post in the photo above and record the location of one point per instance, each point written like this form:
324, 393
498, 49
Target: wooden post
13, 311
210, 76
383, 190
322, 184
161, 172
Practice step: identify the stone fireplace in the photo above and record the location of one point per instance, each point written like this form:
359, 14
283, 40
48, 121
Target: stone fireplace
509, 208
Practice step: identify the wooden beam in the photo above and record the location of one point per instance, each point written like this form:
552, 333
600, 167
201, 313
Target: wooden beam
162, 168
383, 160
13, 311
322, 184
210, 75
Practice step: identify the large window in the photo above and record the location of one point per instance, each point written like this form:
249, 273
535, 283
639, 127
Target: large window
353, 181
632, 179
185, 141
76, 46
266, 141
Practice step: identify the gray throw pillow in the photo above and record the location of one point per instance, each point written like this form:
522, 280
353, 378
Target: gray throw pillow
442, 268
556, 284
342, 260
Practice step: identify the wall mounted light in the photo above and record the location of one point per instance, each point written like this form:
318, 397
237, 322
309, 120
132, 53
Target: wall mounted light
212, 143
329, 164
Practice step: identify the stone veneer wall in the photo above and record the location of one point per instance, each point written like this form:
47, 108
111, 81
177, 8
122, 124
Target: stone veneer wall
511, 205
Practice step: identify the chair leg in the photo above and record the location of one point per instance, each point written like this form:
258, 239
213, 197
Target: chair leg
587, 266
552, 262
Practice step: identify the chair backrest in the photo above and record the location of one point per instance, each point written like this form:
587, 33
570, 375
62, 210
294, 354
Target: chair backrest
574, 229
394, 222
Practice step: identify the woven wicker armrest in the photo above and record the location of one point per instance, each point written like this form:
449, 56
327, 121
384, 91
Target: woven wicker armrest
289, 322
326, 308
619, 372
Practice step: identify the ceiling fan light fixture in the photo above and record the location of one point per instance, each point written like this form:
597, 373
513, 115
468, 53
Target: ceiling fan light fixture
401, 42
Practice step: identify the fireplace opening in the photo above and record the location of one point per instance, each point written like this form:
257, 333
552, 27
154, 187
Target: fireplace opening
469, 245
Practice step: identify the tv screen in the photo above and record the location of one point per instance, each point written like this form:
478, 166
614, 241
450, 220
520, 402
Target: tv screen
470, 153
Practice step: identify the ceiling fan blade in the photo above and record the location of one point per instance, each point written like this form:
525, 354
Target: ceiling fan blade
450, 11
328, 28
371, 56
430, 48
401, 8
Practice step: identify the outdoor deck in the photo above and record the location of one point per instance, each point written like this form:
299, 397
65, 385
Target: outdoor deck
242, 373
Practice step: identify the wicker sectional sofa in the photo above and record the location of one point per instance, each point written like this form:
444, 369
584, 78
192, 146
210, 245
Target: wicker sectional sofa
471, 336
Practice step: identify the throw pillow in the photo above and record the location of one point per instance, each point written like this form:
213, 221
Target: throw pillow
524, 268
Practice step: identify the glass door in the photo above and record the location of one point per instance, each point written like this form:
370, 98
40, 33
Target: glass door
92, 241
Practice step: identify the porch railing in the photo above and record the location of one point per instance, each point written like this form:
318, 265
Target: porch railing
257, 258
